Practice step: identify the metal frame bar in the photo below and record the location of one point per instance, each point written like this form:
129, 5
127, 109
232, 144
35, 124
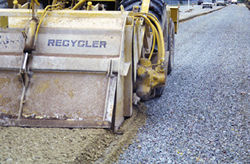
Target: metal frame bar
63, 13
55, 123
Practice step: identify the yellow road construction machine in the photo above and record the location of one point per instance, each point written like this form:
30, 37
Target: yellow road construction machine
81, 63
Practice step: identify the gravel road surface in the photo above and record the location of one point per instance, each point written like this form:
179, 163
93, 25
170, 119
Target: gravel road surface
203, 116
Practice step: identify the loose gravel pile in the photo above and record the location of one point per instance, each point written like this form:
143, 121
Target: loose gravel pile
71, 146
203, 116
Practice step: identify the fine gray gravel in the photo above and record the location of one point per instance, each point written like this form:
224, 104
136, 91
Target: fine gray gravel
203, 116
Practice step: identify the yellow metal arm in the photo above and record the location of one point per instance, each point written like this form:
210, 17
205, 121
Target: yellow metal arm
79, 4
145, 6
157, 35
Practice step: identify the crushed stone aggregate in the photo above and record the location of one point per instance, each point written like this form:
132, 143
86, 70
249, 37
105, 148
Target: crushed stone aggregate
203, 115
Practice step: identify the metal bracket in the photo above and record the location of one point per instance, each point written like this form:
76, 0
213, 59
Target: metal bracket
29, 46
110, 99
110, 69
25, 81
145, 6
136, 9
124, 68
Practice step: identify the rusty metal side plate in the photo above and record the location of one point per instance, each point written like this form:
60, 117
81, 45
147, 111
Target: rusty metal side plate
56, 100
10, 92
54, 123
74, 96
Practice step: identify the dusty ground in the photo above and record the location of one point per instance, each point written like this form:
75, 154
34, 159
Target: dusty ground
53, 145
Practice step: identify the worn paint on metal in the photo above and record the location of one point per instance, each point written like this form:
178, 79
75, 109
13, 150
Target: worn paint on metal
175, 16
145, 6
4, 22
70, 68
3, 82
42, 87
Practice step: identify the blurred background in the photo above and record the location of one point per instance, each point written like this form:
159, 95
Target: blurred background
185, 2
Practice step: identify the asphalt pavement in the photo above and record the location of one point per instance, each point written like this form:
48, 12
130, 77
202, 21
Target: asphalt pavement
203, 115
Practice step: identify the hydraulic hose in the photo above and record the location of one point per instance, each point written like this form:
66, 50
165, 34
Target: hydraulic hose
153, 22
79, 4
44, 13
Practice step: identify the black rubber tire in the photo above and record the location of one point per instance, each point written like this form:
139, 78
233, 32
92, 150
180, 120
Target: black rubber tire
3, 4
159, 91
171, 47
156, 6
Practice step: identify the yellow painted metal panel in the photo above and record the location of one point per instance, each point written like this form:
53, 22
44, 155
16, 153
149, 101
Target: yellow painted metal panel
145, 6
3, 22
175, 16
174, 13
103, 0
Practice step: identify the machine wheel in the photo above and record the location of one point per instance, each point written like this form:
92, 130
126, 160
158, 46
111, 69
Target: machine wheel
156, 6
171, 47
171, 44
3, 4
159, 91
